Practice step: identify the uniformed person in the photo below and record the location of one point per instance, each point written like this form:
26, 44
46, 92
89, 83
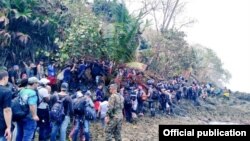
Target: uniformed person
114, 115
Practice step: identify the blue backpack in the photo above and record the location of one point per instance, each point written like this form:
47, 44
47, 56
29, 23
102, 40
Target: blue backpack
57, 111
89, 112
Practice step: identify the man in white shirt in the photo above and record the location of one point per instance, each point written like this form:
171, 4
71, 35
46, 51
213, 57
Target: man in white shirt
103, 111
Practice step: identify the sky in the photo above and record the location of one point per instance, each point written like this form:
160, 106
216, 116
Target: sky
224, 26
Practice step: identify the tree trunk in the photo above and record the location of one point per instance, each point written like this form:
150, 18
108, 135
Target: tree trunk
172, 13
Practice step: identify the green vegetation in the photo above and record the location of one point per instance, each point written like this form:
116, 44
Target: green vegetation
65, 29
28, 29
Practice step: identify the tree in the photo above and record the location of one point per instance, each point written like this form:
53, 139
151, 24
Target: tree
104, 30
28, 29
121, 33
166, 14
207, 66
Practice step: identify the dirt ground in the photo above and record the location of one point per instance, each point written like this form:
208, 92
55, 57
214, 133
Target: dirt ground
215, 109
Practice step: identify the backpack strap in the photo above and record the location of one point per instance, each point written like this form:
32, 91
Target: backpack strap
58, 98
39, 99
21, 98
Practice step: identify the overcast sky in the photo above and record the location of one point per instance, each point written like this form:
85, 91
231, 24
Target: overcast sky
224, 26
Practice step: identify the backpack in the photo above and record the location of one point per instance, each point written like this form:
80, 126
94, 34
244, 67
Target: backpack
127, 101
155, 95
163, 97
20, 108
57, 111
90, 113
79, 106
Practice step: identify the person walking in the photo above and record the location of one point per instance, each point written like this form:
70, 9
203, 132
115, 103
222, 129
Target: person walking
5, 107
114, 115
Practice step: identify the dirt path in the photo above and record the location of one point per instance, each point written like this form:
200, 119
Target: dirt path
214, 110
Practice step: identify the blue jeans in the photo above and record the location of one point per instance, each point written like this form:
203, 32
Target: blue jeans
3, 139
25, 129
43, 124
163, 106
128, 114
79, 125
86, 130
103, 122
63, 129
140, 107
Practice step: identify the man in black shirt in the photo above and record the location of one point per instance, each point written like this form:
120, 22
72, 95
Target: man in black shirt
5, 107
14, 74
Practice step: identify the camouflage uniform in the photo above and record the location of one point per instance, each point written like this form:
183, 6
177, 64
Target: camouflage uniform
114, 126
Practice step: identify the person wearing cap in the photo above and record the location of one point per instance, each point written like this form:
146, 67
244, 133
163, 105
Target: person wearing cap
43, 110
114, 115
78, 106
90, 103
68, 110
26, 127
163, 99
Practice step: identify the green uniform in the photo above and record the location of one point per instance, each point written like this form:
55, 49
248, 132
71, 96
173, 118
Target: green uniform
113, 128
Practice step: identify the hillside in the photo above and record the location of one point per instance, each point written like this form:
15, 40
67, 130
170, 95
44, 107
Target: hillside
215, 110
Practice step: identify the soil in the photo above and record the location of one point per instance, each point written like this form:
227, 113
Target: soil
214, 110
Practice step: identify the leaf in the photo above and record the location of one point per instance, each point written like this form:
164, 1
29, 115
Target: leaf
5, 38
4, 20
23, 38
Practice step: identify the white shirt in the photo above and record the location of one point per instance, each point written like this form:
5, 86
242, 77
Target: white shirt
135, 104
104, 108
43, 92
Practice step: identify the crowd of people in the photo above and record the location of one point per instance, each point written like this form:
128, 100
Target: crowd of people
42, 99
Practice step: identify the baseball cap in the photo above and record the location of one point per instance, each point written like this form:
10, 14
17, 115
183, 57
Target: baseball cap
79, 94
113, 86
33, 80
16, 67
64, 86
44, 81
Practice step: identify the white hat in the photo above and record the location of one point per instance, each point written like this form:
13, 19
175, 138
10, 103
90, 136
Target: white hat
88, 93
79, 94
44, 81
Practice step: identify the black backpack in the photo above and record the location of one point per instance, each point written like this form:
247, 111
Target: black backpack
155, 95
20, 108
57, 111
79, 106
127, 101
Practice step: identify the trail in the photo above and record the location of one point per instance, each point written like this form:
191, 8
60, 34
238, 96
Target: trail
216, 110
